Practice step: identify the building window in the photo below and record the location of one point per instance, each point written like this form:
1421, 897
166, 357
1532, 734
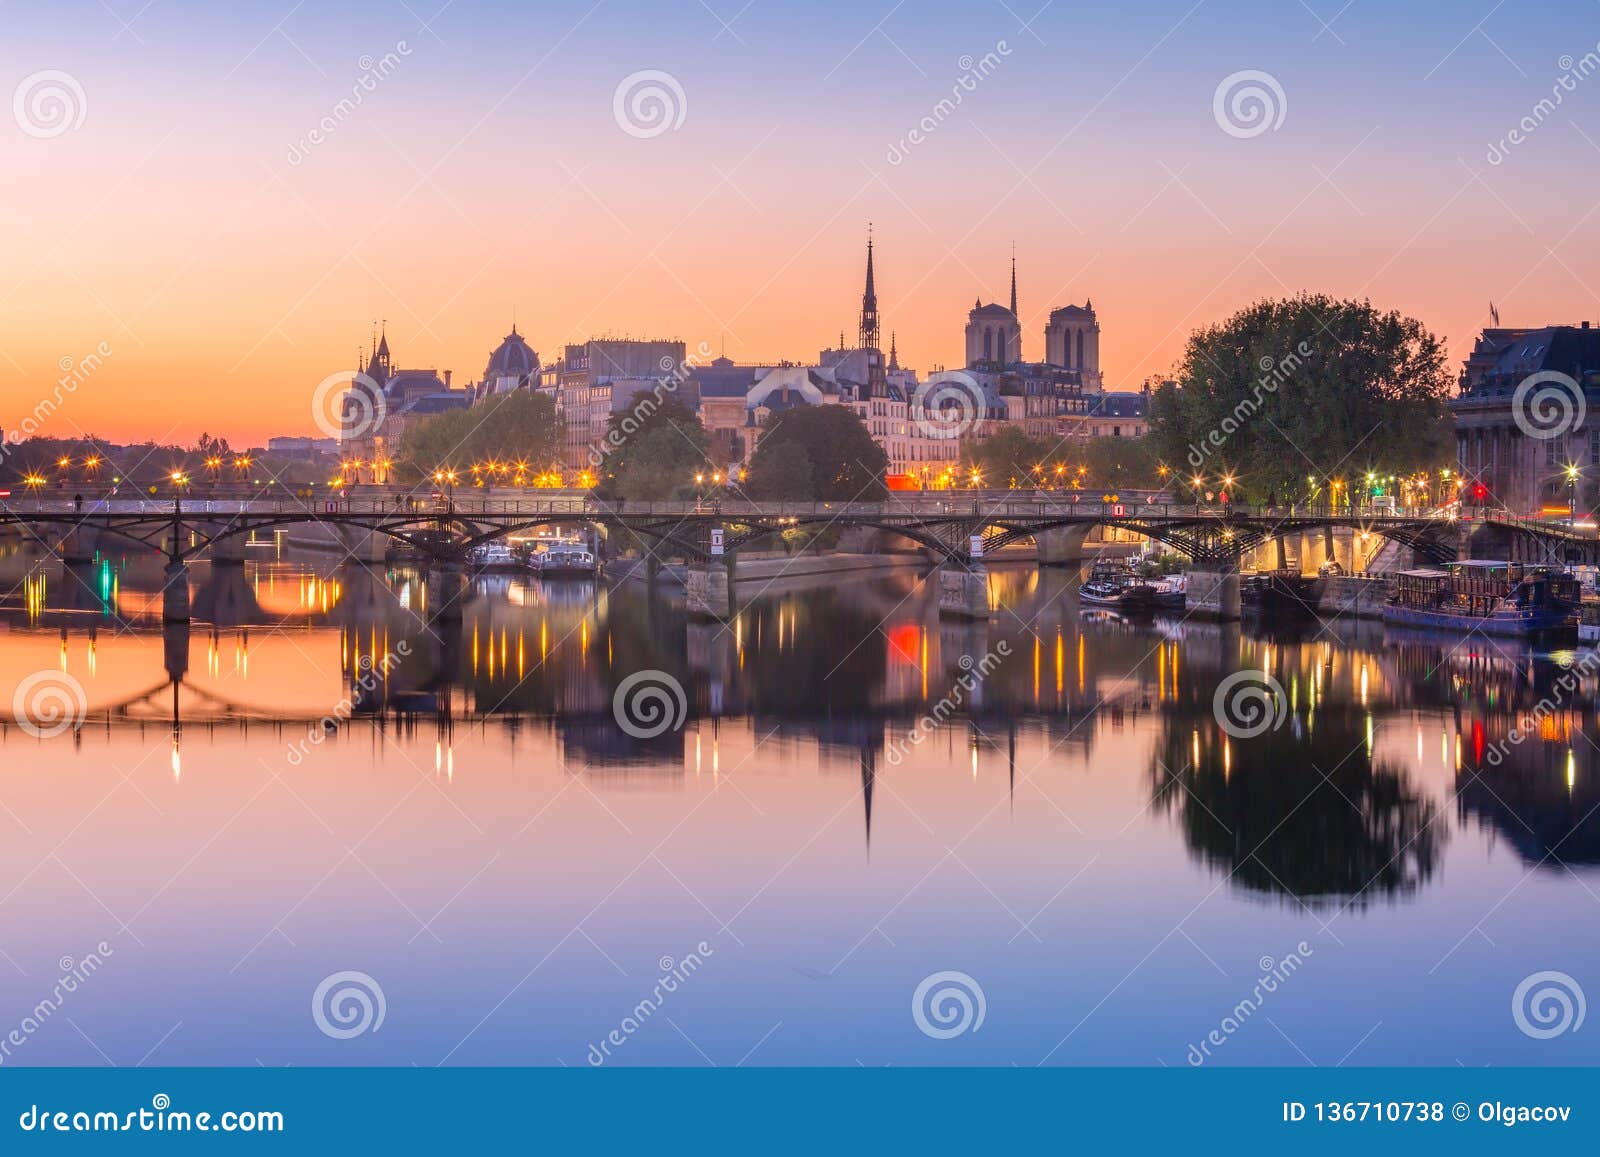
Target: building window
1594, 446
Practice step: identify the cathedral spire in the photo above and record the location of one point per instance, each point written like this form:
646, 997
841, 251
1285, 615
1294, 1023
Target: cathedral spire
1014, 312
1015, 315
869, 303
894, 354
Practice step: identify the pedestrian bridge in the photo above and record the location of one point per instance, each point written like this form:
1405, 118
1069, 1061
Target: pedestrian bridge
957, 527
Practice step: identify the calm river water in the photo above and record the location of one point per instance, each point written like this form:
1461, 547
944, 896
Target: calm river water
320, 832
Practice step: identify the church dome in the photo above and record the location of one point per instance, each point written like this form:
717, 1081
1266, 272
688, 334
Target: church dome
514, 359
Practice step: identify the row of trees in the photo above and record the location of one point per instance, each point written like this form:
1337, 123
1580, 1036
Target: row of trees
1010, 458
521, 427
806, 454
44, 462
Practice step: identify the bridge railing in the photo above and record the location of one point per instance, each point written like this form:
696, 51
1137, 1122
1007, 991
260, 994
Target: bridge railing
925, 505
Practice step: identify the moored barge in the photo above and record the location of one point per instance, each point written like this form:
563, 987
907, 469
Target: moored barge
1492, 597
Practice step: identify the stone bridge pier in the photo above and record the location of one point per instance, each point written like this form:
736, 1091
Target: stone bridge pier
964, 590
1062, 546
230, 549
445, 590
708, 589
175, 592
1214, 591
80, 544
364, 545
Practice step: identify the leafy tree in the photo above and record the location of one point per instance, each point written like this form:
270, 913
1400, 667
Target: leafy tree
846, 464
521, 426
209, 447
654, 451
1007, 457
785, 475
1118, 464
1303, 386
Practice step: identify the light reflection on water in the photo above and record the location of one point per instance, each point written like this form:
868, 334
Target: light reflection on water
321, 782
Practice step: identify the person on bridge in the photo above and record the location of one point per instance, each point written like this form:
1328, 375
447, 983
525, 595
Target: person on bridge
77, 503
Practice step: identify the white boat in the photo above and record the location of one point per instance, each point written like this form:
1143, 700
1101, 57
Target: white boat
495, 557
566, 562
1171, 593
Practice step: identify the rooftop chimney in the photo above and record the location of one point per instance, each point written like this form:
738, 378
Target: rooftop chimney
447, 379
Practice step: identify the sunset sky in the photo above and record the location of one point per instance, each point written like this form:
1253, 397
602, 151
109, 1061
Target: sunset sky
230, 264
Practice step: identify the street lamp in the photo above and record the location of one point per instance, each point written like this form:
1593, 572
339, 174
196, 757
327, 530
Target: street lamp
1572, 495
